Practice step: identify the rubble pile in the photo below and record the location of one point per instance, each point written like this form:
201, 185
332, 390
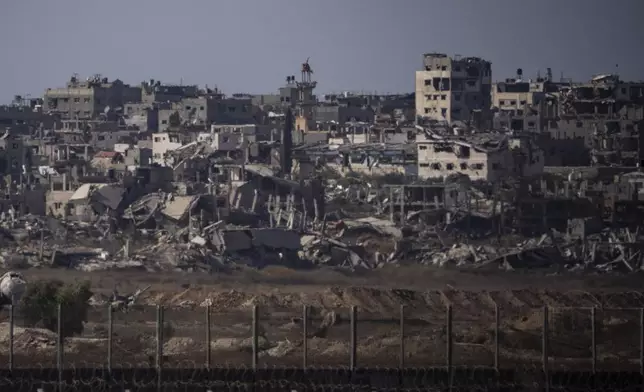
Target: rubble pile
258, 218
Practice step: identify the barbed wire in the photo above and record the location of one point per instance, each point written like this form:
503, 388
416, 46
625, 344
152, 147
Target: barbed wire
566, 328
315, 379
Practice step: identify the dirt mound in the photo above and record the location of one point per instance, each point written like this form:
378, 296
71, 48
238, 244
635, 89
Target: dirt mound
387, 302
27, 338
368, 300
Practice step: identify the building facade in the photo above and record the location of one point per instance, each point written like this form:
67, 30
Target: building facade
454, 89
523, 104
166, 141
489, 159
204, 111
341, 114
88, 99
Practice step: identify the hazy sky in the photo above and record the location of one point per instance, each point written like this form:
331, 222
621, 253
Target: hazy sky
251, 45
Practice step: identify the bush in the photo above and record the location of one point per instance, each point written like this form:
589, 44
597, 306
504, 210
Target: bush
39, 305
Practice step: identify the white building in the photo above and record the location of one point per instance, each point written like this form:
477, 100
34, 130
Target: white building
164, 142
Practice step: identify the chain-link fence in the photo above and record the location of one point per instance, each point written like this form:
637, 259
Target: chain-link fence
395, 348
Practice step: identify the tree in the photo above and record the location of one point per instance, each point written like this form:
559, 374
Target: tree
39, 305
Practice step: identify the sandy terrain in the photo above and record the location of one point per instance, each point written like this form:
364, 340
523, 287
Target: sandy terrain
280, 294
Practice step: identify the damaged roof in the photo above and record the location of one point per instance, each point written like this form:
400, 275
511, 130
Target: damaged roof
106, 154
85, 191
110, 196
178, 207
484, 142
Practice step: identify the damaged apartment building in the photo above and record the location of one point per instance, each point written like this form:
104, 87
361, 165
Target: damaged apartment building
454, 89
24, 115
88, 99
607, 115
521, 104
576, 124
484, 157
165, 107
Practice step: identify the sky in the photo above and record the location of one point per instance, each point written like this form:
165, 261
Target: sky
357, 45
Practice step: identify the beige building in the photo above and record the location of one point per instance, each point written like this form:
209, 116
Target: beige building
454, 89
519, 104
484, 158
87, 99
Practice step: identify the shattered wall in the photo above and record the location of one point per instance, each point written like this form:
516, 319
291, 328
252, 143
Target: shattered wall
243, 195
162, 143
56, 202
444, 159
454, 89
379, 169
27, 201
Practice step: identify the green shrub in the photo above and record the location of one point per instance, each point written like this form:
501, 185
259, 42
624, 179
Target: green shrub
39, 305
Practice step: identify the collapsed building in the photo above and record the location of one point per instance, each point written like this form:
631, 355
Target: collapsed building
177, 177
611, 113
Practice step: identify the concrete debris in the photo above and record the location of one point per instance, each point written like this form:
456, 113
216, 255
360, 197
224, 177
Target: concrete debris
125, 302
461, 224
213, 212
187, 178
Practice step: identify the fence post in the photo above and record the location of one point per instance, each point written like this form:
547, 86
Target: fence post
402, 336
305, 336
497, 336
544, 347
159, 359
255, 332
59, 347
449, 348
642, 341
41, 251
354, 338
12, 321
208, 337
110, 335
593, 340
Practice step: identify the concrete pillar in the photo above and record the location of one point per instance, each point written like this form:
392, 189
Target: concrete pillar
255, 197
402, 204
391, 203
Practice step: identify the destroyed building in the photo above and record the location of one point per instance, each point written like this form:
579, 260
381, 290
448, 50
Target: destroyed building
482, 157
607, 113
521, 104
24, 115
454, 89
15, 156
193, 179
87, 99
205, 110
360, 158
341, 113
154, 91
